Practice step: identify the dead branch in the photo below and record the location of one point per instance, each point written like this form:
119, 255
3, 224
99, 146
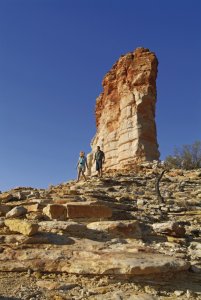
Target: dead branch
157, 187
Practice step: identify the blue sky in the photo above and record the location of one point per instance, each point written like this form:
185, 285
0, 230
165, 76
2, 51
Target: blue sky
53, 56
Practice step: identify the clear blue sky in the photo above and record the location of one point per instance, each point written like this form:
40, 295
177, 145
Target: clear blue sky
53, 56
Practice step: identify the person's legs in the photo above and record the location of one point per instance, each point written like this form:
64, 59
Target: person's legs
101, 171
84, 175
98, 168
79, 173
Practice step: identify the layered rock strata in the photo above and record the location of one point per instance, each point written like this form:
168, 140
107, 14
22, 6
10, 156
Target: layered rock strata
125, 112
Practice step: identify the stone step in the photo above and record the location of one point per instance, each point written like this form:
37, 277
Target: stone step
88, 211
126, 229
77, 210
89, 262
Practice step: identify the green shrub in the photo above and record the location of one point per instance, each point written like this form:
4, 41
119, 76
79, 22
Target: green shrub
186, 157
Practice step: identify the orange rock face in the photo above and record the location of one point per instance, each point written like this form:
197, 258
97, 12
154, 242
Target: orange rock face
88, 211
125, 112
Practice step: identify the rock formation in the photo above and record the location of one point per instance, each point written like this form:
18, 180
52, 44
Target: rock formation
125, 112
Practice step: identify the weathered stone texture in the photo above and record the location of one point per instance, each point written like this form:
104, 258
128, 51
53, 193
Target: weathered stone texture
16, 212
125, 112
55, 212
117, 228
101, 262
22, 226
88, 211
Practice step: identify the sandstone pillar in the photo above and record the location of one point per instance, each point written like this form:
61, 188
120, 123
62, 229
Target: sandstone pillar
125, 112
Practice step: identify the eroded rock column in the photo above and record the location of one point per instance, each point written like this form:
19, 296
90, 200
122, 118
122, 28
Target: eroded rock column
125, 112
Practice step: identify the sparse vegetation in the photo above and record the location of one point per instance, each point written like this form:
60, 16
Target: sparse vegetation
186, 157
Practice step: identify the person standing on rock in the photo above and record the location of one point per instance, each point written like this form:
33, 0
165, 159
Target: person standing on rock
81, 166
99, 159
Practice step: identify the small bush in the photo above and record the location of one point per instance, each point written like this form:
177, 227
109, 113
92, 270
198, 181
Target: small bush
186, 157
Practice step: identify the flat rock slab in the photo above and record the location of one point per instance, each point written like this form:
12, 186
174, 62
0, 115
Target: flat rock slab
83, 262
118, 228
88, 211
67, 226
76, 210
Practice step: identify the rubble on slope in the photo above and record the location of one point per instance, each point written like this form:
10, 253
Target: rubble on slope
107, 238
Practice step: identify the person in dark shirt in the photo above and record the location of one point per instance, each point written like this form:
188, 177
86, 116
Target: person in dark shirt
99, 159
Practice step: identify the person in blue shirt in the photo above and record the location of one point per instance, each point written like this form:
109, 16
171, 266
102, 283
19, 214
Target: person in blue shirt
81, 166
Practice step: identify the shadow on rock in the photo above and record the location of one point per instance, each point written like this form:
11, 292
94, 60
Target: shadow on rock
49, 238
93, 235
9, 298
101, 236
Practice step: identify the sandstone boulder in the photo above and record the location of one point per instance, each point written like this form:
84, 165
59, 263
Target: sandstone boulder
22, 226
17, 211
5, 197
55, 212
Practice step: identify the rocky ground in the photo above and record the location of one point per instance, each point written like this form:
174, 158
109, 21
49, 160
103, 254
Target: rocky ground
108, 238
